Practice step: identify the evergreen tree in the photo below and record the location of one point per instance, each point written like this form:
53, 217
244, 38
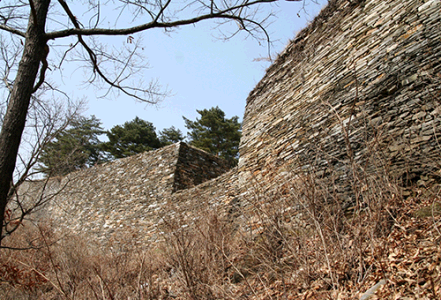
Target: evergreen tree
215, 134
131, 138
74, 148
170, 136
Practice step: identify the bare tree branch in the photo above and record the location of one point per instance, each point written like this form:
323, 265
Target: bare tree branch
43, 68
25, 24
12, 30
221, 14
47, 121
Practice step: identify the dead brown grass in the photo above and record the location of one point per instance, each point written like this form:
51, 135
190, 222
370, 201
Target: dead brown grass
299, 241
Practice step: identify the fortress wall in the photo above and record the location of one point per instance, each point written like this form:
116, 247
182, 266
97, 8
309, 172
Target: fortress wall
120, 193
195, 166
364, 74
362, 81
126, 195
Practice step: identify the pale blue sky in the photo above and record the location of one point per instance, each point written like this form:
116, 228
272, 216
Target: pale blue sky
200, 70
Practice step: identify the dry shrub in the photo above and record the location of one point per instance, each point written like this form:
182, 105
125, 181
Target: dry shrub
302, 236
311, 232
193, 263
61, 267
198, 252
314, 232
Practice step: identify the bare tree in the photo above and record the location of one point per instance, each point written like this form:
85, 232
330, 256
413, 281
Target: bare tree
45, 119
26, 27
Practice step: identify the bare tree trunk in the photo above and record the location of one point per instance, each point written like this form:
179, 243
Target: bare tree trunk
35, 50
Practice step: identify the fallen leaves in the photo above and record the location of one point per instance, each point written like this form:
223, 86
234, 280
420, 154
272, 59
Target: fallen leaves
408, 259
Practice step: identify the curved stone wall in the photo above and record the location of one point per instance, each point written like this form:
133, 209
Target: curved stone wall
363, 80
360, 86
125, 194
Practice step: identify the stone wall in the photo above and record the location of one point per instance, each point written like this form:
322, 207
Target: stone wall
359, 86
362, 83
195, 166
127, 193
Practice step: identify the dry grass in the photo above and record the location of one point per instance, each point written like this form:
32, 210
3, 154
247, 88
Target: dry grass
302, 240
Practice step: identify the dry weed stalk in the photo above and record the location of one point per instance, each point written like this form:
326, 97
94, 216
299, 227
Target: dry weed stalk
198, 252
74, 268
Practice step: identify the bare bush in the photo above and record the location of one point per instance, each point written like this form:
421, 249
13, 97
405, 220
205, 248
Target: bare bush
198, 253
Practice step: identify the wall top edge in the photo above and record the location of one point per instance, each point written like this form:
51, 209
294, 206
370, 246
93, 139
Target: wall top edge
331, 9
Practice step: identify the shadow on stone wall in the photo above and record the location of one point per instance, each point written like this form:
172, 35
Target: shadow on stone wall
353, 101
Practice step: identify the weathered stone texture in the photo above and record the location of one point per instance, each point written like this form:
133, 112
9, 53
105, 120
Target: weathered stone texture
363, 78
361, 85
195, 166
127, 193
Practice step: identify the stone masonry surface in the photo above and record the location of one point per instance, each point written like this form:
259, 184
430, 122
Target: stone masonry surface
360, 85
126, 193
363, 80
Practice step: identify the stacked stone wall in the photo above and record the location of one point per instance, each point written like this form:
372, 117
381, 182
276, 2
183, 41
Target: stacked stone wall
125, 195
195, 166
361, 83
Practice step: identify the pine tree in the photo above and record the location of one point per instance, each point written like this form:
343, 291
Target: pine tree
131, 138
215, 134
74, 148
170, 136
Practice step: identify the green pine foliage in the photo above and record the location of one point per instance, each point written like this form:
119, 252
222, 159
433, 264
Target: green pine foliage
131, 138
170, 136
215, 134
74, 148
79, 147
